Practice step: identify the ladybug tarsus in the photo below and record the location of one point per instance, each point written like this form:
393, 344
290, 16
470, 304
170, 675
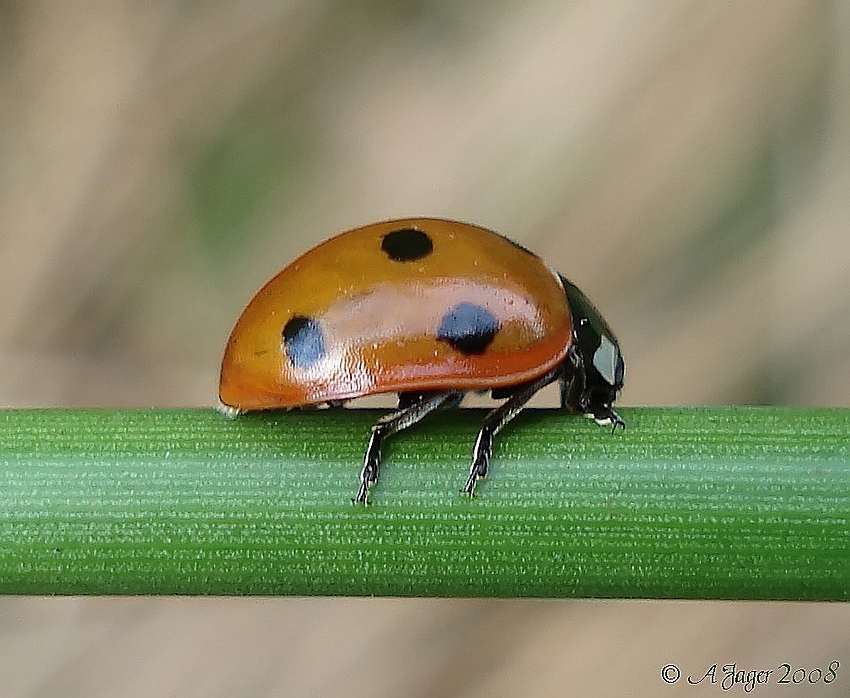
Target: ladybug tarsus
497, 419
412, 408
480, 460
371, 463
615, 420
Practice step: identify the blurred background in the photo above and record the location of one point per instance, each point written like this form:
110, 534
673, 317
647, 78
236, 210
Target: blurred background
686, 164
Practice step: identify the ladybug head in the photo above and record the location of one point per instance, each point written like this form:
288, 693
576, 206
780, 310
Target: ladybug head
599, 357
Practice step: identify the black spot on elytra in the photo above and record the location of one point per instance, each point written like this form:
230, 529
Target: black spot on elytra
407, 245
468, 327
303, 341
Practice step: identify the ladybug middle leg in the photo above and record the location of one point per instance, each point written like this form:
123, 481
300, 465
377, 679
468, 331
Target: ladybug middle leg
412, 407
497, 419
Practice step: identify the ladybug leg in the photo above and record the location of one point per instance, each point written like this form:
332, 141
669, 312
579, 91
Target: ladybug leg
497, 419
412, 408
572, 381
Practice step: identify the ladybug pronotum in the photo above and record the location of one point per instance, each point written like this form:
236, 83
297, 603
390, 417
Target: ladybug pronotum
429, 309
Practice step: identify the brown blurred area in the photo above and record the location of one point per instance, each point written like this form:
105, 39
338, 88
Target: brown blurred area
686, 164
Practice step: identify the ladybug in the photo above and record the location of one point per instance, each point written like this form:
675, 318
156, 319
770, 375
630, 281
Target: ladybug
429, 309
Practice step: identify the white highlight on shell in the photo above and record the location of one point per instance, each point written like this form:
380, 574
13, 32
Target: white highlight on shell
605, 359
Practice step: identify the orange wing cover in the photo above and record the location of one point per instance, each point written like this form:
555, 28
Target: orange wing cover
407, 305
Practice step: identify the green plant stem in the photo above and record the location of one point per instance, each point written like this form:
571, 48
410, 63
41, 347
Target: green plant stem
736, 503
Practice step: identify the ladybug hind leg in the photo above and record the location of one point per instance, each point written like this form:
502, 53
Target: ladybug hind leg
496, 420
412, 407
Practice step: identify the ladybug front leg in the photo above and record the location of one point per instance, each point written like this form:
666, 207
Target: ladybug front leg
497, 419
412, 408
